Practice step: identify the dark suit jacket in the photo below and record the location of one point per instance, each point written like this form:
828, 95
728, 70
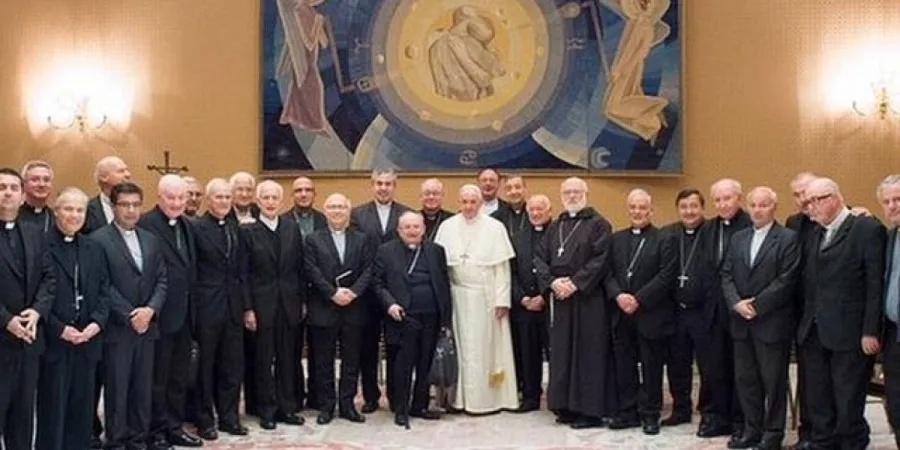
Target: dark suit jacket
319, 220
390, 280
39, 288
94, 218
524, 275
653, 272
740, 221
273, 275
131, 287
512, 221
843, 284
888, 266
45, 220
771, 280
365, 218
440, 217
181, 270
93, 284
323, 266
217, 294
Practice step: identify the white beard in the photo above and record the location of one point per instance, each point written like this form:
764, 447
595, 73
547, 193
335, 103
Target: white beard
575, 208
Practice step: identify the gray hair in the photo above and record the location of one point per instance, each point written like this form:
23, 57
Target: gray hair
269, 184
410, 215
36, 164
639, 193
470, 189
105, 165
433, 181
171, 182
217, 184
238, 176
540, 198
729, 183
70, 194
763, 190
381, 172
888, 181
826, 184
579, 181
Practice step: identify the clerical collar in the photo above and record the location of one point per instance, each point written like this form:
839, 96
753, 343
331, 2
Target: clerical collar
272, 224
9, 225
333, 231
689, 231
68, 239
636, 231
726, 222
412, 247
173, 222
125, 232
38, 210
539, 228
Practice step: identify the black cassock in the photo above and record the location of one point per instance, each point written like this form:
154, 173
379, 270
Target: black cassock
580, 375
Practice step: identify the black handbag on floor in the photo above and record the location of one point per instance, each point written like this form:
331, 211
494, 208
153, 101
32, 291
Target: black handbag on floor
445, 366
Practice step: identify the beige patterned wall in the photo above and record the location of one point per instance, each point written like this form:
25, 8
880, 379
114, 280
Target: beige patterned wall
763, 83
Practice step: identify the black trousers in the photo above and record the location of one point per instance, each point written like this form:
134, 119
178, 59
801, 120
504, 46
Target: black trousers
530, 339
326, 341
127, 398
276, 365
891, 366
306, 386
836, 385
761, 375
803, 425
639, 393
64, 402
250, 388
170, 381
19, 373
369, 358
694, 336
414, 354
221, 370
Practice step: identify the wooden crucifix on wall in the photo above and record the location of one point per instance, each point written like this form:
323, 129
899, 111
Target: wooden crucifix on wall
167, 167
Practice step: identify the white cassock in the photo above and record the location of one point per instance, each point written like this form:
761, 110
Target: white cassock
478, 254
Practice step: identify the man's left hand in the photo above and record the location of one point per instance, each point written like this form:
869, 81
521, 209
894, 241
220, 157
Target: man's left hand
501, 311
870, 345
140, 319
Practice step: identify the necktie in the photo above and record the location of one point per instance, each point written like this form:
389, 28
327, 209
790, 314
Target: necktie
179, 241
229, 241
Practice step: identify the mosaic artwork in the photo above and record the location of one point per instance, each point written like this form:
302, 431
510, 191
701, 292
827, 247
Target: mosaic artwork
451, 85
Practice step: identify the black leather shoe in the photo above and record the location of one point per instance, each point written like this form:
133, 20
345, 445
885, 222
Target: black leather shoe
208, 434
587, 422
160, 443
234, 429
267, 424
741, 442
714, 430
324, 417
676, 419
425, 414
651, 427
527, 406
182, 438
401, 420
566, 419
623, 423
290, 419
352, 416
369, 408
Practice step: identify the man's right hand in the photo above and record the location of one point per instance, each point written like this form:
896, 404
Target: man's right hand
71, 335
18, 327
396, 312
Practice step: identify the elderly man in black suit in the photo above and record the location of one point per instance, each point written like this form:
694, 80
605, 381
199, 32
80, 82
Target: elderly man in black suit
411, 281
889, 196
307, 219
378, 220
138, 287
173, 350
74, 344
843, 270
642, 269
759, 274
528, 313
431, 196
218, 298
273, 292
28, 284
338, 263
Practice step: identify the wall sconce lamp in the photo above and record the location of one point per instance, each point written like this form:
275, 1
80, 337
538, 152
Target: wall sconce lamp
71, 111
882, 104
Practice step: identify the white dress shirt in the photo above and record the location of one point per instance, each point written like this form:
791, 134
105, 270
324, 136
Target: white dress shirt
134, 246
384, 214
271, 224
759, 235
107, 207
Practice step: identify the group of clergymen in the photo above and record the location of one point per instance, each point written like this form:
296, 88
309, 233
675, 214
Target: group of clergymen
98, 296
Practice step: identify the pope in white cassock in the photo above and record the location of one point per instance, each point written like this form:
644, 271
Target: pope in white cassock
478, 254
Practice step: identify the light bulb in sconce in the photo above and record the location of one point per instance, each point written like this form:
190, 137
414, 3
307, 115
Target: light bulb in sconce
881, 100
70, 111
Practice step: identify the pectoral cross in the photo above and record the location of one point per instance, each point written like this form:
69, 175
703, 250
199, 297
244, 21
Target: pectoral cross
560, 251
682, 279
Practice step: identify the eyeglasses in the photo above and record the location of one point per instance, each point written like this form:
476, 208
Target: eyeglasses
129, 205
818, 198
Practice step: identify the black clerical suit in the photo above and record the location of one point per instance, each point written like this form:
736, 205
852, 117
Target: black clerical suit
218, 298
27, 281
843, 290
433, 221
643, 264
173, 349
274, 290
513, 217
891, 340
802, 225
415, 279
528, 328
327, 271
762, 344
719, 236
696, 311
365, 218
66, 384
42, 217
128, 382
306, 221
251, 215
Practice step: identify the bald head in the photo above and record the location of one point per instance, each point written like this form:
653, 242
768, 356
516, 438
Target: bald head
574, 194
727, 196
538, 208
218, 197
431, 195
762, 202
304, 193
337, 211
109, 172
